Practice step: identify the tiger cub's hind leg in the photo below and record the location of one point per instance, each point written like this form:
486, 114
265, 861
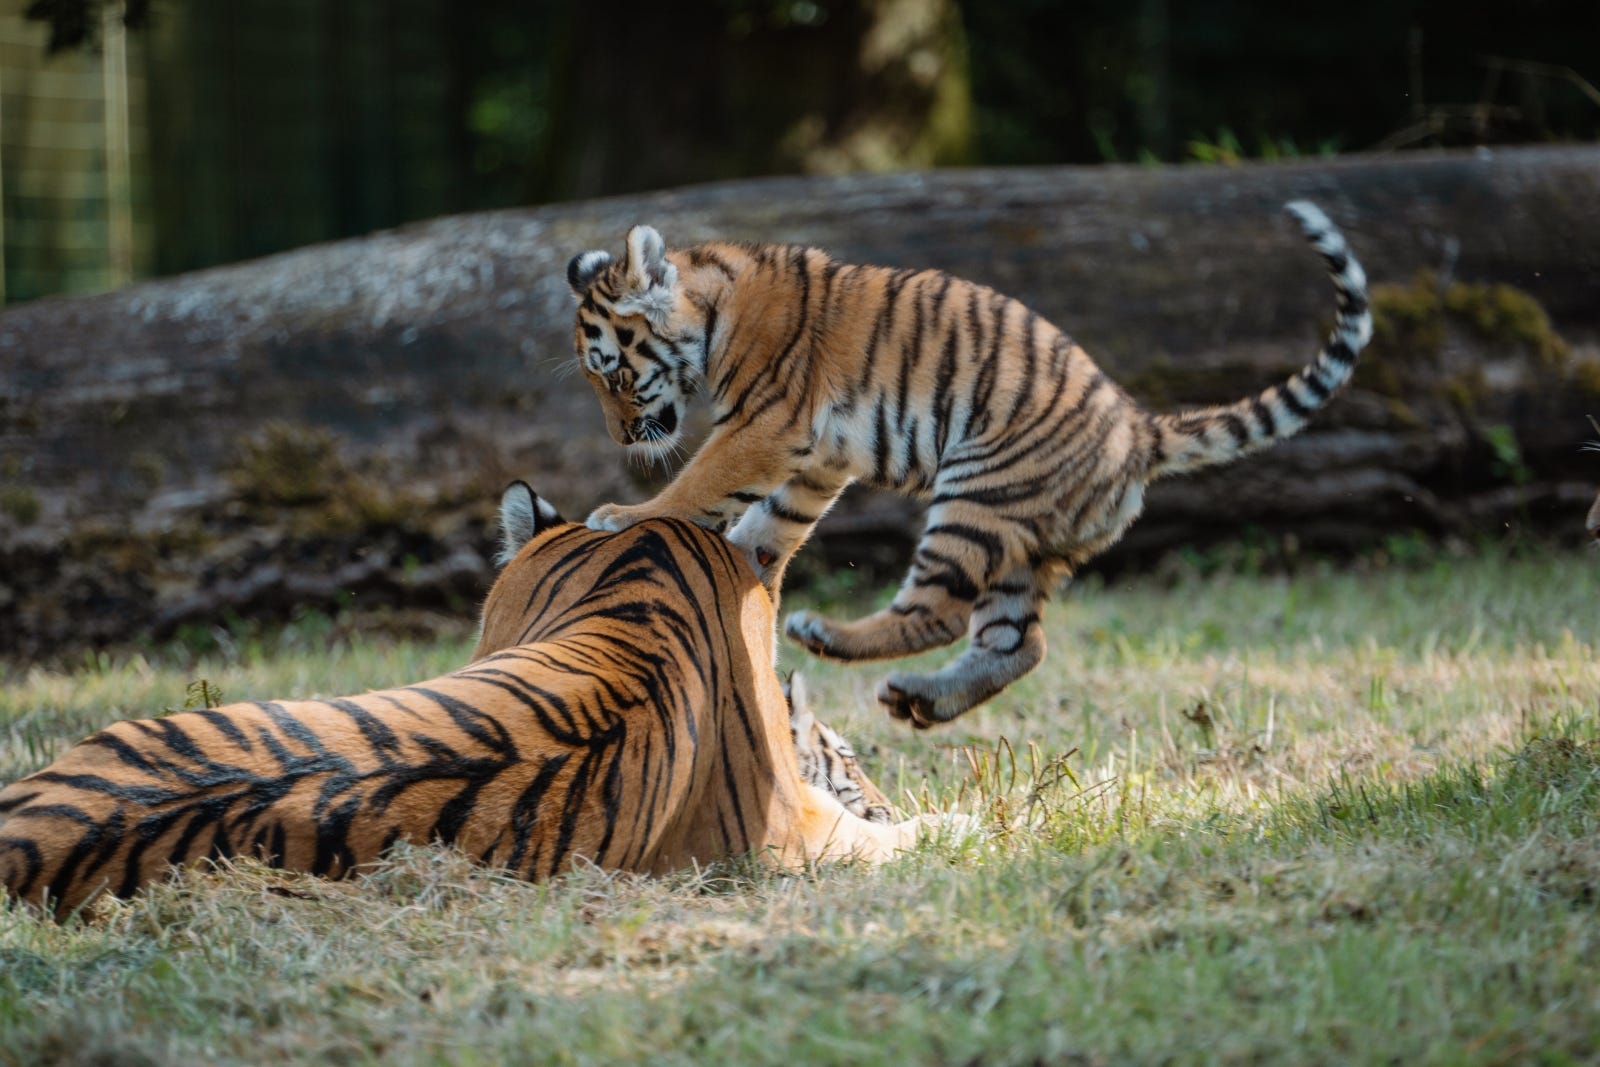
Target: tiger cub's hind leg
1006, 642
919, 618
961, 553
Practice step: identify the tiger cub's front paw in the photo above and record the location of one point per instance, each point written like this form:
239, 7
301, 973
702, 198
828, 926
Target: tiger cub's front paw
615, 517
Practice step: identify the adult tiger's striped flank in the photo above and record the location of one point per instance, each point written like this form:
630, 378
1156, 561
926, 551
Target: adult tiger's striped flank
821, 373
621, 708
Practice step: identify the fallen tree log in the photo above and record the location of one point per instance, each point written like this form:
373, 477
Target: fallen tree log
404, 377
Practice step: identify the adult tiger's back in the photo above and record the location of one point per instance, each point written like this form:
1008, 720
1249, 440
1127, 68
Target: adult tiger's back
621, 707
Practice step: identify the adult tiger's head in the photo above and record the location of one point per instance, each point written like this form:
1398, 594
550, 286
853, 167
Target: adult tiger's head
644, 358
549, 564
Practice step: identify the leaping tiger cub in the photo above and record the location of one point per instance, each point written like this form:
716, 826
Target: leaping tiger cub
621, 707
821, 373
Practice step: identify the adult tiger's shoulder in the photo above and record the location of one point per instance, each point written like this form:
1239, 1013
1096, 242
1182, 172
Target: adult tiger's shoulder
621, 707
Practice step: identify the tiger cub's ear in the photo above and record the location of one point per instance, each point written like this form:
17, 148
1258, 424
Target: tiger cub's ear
584, 269
523, 516
650, 278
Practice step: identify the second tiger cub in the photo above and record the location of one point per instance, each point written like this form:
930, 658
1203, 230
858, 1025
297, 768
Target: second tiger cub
821, 373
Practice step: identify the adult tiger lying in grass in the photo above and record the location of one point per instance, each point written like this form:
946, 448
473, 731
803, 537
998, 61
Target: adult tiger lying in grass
821, 373
621, 707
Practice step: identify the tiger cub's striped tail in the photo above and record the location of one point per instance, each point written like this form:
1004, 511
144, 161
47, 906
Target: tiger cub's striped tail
1193, 439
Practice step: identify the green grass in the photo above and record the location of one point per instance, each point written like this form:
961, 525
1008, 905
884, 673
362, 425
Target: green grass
1334, 818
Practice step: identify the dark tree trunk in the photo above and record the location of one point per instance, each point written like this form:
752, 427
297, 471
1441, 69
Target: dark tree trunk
132, 499
865, 85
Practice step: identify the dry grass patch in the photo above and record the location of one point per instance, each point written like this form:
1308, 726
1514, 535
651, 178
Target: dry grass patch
1338, 818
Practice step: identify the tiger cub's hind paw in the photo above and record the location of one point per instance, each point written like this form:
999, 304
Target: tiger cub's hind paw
966, 681
898, 694
811, 632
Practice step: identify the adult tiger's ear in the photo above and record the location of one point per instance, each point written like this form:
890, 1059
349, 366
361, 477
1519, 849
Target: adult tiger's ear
799, 701
584, 269
650, 278
523, 516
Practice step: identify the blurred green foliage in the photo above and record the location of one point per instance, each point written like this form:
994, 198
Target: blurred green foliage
1101, 80
279, 122
1107, 80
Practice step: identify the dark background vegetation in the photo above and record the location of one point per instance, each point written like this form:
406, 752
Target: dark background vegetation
274, 123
